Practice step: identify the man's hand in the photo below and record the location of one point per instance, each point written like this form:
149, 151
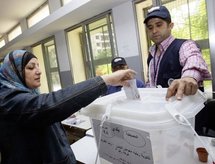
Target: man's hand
185, 85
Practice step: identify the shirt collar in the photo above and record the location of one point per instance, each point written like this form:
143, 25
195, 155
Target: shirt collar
163, 45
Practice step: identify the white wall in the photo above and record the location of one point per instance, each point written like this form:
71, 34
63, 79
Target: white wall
125, 28
126, 36
54, 5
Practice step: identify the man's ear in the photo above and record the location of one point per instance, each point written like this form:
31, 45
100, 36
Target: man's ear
171, 25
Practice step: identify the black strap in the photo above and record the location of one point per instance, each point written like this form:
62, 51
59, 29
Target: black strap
149, 58
12, 61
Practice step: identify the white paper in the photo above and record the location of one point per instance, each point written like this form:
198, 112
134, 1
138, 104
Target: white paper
131, 91
123, 145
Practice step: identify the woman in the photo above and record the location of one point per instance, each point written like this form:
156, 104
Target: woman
31, 132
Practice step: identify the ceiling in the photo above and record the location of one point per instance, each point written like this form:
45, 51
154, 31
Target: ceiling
59, 20
12, 11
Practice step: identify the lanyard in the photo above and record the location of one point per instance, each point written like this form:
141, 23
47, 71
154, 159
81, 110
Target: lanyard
156, 64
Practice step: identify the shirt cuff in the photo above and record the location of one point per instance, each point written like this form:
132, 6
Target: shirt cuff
102, 85
194, 74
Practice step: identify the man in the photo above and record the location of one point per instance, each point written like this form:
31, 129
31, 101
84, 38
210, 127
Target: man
119, 63
173, 63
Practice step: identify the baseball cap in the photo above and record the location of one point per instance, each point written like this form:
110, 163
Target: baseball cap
118, 61
158, 12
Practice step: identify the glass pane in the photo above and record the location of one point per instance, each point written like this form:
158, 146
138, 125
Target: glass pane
100, 43
14, 33
52, 56
66, 1
55, 81
103, 69
50, 51
101, 47
2, 43
38, 15
91, 45
37, 50
97, 24
206, 56
198, 20
190, 19
76, 54
114, 48
52, 66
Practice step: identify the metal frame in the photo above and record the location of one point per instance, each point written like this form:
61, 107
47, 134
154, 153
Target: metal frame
211, 31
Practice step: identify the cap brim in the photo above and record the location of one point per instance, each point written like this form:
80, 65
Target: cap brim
155, 15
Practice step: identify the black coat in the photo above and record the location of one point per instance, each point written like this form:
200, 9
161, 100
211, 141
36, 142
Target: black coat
30, 128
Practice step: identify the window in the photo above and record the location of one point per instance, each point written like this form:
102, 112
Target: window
38, 15
100, 54
2, 43
38, 52
46, 54
14, 33
65, 2
52, 71
92, 45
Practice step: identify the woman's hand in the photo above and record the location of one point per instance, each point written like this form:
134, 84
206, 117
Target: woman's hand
119, 78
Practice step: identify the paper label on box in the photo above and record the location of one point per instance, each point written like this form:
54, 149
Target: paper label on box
123, 145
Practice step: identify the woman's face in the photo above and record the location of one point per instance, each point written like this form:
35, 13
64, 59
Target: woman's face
32, 74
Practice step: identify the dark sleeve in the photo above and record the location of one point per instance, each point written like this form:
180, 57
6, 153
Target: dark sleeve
112, 89
29, 109
140, 84
149, 59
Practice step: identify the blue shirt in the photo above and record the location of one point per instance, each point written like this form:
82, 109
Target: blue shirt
113, 89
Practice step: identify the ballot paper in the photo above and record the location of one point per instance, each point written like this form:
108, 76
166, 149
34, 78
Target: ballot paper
131, 91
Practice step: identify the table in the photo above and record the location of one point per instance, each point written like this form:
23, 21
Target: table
76, 127
85, 150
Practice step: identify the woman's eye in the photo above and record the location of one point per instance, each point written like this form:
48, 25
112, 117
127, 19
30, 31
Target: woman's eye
30, 67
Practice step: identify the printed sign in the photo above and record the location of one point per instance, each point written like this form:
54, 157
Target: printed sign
122, 145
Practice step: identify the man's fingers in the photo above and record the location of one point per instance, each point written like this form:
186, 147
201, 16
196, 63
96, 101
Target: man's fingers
176, 88
194, 89
180, 90
190, 88
171, 91
180, 87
